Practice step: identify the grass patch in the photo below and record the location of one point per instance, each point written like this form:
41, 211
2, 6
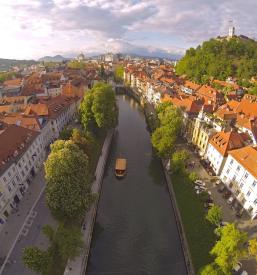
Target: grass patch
199, 232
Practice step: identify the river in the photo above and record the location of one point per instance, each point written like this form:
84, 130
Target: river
135, 231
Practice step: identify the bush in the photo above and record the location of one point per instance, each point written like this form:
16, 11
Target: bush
193, 176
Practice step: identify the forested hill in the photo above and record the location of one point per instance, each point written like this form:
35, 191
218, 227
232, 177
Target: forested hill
220, 59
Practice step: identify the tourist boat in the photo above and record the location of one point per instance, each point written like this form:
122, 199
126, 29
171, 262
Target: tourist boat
120, 167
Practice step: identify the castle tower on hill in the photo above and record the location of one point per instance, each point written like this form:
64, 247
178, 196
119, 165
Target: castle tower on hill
231, 30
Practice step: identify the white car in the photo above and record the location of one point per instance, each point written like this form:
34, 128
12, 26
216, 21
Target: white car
200, 182
237, 267
200, 188
230, 200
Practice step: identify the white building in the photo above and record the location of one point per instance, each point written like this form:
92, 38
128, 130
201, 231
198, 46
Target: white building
21, 154
218, 148
240, 176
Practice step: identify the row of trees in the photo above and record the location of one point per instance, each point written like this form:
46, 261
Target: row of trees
169, 121
220, 59
118, 73
68, 173
231, 246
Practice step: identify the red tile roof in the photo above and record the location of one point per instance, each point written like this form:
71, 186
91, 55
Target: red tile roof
226, 141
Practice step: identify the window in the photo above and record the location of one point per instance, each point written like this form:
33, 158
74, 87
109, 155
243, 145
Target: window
254, 183
231, 162
248, 193
26, 167
255, 201
246, 175
9, 174
250, 209
238, 168
9, 188
234, 178
228, 171
18, 178
13, 183
4, 178
22, 172
241, 185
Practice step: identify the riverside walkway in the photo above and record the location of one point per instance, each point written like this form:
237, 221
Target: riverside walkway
79, 264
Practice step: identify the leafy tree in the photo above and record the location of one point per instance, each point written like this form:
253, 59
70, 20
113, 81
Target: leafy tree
86, 112
163, 140
67, 189
193, 176
214, 215
74, 64
230, 248
164, 137
69, 242
35, 259
178, 161
252, 247
118, 73
65, 134
211, 269
99, 108
84, 140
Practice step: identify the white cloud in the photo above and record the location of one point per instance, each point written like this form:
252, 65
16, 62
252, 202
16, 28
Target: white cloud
31, 28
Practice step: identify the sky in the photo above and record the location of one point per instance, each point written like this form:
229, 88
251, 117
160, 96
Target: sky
31, 29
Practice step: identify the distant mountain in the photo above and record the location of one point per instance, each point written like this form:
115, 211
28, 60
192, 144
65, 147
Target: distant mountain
56, 58
6, 64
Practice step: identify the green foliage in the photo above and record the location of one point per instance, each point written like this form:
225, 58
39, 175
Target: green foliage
35, 259
252, 248
66, 173
69, 242
220, 59
178, 160
99, 109
193, 176
230, 248
253, 90
7, 76
164, 137
65, 134
74, 64
84, 140
65, 243
163, 140
211, 269
118, 73
214, 215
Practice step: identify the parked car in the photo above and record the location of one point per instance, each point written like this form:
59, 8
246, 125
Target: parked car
197, 187
221, 188
230, 200
208, 204
200, 182
227, 194
218, 182
239, 213
237, 267
222, 223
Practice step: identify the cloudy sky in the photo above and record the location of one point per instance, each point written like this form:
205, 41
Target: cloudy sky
34, 28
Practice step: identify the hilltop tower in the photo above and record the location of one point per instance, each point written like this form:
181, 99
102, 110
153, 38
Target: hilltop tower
231, 29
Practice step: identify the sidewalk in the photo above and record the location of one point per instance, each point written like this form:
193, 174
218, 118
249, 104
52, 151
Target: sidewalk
15, 221
79, 264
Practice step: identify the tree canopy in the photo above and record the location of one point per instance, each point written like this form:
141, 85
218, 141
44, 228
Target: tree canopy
98, 108
164, 137
178, 160
118, 73
230, 248
214, 215
220, 59
66, 173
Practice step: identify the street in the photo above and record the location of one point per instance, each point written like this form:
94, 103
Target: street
27, 224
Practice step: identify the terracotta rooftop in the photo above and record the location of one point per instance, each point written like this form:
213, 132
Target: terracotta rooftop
37, 109
247, 157
29, 122
226, 141
13, 82
14, 141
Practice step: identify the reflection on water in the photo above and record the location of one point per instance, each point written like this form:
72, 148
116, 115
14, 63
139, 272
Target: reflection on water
135, 230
